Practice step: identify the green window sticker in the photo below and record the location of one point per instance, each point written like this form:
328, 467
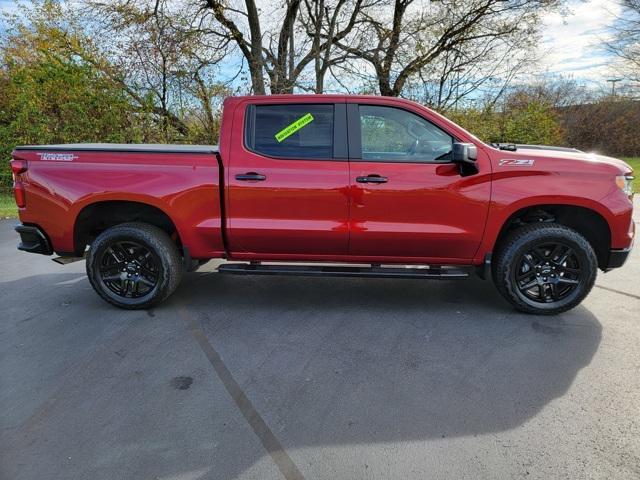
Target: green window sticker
294, 127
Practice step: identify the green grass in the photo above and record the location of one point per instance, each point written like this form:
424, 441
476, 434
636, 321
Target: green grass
635, 164
8, 207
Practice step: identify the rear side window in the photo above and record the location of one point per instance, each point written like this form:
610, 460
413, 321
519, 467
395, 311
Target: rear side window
291, 131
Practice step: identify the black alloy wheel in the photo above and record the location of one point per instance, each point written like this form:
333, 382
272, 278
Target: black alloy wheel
548, 272
129, 269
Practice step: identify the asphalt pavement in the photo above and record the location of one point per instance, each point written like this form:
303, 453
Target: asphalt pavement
314, 378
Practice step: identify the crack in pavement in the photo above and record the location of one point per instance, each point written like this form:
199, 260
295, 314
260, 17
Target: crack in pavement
269, 441
620, 292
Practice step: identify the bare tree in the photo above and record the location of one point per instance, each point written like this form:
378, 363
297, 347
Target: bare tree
482, 69
285, 50
162, 60
323, 22
251, 46
625, 43
401, 40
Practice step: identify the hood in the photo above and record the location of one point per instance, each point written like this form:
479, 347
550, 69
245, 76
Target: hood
576, 155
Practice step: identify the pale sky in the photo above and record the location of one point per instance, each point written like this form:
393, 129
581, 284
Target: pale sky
572, 42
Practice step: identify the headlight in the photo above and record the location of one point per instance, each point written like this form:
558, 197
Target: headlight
625, 183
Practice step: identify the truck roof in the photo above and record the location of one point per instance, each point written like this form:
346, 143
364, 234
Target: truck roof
124, 147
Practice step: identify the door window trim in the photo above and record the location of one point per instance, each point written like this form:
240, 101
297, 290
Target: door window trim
340, 147
355, 135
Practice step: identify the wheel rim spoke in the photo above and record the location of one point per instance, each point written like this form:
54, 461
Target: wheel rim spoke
114, 266
146, 282
112, 278
149, 273
525, 275
121, 252
571, 271
529, 260
563, 258
111, 251
529, 285
539, 254
557, 250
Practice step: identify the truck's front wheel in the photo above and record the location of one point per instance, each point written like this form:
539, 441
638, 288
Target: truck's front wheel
545, 268
134, 265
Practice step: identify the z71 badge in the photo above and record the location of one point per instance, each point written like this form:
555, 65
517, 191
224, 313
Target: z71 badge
516, 162
58, 157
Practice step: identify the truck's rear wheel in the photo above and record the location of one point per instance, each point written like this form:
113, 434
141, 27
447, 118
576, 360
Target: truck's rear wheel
134, 265
545, 268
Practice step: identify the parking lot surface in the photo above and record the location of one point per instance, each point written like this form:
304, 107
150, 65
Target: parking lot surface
294, 377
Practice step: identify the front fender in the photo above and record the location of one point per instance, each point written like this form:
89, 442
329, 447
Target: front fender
500, 213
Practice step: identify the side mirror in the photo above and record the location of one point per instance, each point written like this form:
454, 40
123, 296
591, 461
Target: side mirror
465, 155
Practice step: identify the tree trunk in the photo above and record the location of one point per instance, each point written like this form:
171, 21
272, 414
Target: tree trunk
205, 98
384, 81
320, 81
319, 10
255, 61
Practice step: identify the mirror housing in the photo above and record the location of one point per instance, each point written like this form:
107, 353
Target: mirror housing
465, 155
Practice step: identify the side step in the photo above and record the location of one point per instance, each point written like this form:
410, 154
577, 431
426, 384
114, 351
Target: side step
426, 272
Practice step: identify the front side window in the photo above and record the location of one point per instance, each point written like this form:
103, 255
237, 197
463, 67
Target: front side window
395, 135
291, 131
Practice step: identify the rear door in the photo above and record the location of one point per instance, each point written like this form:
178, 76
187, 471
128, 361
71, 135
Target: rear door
409, 201
288, 180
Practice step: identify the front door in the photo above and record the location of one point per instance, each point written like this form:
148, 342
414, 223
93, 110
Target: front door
409, 201
288, 181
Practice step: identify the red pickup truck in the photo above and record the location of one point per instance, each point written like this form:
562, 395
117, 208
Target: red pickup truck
329, 185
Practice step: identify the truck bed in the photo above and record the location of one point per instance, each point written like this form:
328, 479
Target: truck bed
71, 185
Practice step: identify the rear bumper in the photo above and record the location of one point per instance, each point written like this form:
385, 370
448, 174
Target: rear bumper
33, 240
617, 258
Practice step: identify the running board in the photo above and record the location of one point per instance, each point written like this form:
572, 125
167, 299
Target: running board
67, 260
427, 272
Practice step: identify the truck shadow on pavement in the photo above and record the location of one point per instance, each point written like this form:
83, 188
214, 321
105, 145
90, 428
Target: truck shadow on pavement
324, 362
360, 361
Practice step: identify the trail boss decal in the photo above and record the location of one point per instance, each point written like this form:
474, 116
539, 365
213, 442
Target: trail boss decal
516, 162
58, 157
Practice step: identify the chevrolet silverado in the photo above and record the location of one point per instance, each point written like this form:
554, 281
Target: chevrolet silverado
329, 185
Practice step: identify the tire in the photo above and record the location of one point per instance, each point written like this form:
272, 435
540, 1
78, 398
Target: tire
134, 265
556, 262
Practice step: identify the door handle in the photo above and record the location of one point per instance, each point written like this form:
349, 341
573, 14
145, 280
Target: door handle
251, 177
373, 178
